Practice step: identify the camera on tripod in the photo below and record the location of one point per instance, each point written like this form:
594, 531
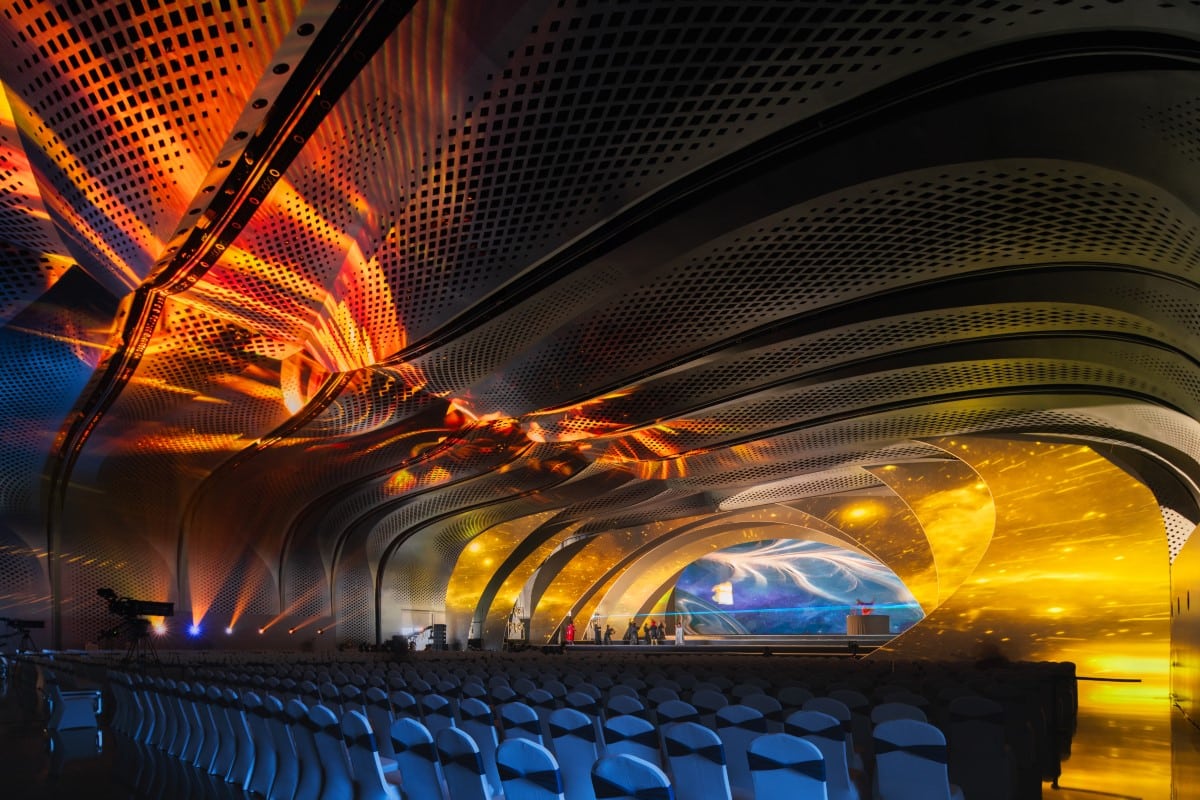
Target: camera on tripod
129, 608
24, 624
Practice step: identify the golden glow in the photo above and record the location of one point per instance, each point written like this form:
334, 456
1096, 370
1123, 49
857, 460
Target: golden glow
1077, 568
497, 614
478, 562
954, 509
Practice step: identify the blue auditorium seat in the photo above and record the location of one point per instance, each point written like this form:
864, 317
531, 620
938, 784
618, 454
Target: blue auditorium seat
786, 766
627, 777
529, 771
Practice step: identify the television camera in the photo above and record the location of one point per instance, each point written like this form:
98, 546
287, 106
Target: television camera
23, 627
129, 608
134, 626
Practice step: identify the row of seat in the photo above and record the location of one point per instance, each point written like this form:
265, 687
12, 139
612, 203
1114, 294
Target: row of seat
440, 686
263, 745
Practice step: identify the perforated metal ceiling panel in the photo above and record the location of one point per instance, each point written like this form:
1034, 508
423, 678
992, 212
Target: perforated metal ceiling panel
299, 298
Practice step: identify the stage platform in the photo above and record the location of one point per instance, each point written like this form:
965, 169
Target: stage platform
697, 645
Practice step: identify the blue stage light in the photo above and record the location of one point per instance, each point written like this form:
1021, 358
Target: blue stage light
194, 629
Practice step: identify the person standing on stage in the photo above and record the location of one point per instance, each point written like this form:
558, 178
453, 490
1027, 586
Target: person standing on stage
596, 633
631, 633
570, 631
608, 634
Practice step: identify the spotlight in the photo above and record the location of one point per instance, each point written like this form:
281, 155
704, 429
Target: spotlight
229, 631
194, 629
160, 628
261, 631
291, 631
320, 631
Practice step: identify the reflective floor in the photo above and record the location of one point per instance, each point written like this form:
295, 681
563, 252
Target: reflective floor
1121, 749
1122, 745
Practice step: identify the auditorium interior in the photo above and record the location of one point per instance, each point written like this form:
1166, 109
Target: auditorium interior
444, 345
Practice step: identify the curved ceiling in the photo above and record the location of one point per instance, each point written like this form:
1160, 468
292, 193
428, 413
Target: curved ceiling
298, 301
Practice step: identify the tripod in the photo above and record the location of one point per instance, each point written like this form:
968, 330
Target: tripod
141, 644
25, 644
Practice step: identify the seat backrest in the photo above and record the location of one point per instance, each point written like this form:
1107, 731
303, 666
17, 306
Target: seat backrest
437, 713
416, 759
979, 754
582, 701
363, 753
624, 704
910, 761
671, 711
838, 710
331, 697
697, 761
783, 765
657, 695
889, 711
707, 702
404, 704
502, 693
308, 782
528, 771
480, 724
633, 736
738, 725
263, 769
852, 698
461, 765
769, 707
520, 721
378, 710
829, 736
793, 697
575, 746
287, 766
327, 734
627, 777
352, 698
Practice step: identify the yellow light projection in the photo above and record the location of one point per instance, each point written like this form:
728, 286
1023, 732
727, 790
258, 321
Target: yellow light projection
954, 507
479, 561
496, 618
1077, 570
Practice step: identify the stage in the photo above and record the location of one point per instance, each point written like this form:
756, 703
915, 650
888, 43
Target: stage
816, 645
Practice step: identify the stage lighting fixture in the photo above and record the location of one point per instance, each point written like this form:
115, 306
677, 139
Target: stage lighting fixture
261, 631
291, 631
320, 631
194, 629
161, 628
229, 631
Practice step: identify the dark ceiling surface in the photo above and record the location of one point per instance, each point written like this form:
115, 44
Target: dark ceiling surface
299, 300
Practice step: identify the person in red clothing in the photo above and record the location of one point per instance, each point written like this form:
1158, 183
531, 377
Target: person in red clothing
570, 631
